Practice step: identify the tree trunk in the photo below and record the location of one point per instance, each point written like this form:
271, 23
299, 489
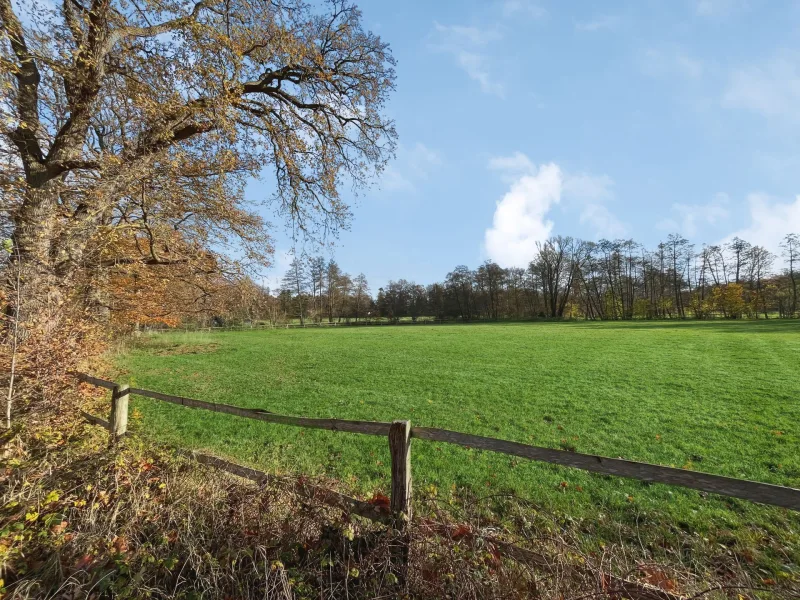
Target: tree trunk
40, 289
45, 258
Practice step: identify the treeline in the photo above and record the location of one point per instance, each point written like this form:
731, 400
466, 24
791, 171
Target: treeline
315, 289
567, 278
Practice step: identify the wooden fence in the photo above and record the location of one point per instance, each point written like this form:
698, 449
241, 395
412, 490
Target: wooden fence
363, 322
400, 434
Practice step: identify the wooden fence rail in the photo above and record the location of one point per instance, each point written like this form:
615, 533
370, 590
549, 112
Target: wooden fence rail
400, 434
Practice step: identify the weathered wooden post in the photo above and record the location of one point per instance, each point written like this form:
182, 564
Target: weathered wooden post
119, 410
400, 501
400, 450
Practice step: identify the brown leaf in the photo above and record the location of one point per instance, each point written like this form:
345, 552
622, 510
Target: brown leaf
57, 529
84, 561
380, 500
658, 578
120, 544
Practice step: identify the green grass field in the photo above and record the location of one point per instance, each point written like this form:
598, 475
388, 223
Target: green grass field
721, 397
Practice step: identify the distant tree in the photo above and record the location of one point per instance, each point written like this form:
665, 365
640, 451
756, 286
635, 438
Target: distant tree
436, 299
678, 248
459, 284
716, 265
316, 275
296, 282
791, 251
556, 264
360, 295
729, 300
345, 285
332, 288
759, 264
490, 278
739, 251
417, 301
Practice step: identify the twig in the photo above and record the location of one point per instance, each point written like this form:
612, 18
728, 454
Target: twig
14, 342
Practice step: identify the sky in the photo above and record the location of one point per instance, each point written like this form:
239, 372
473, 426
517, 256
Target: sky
523, 119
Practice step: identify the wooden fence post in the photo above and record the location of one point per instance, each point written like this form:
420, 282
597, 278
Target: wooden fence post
119, 410
400, 450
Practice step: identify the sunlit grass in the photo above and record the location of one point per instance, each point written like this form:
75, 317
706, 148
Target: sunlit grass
718, 397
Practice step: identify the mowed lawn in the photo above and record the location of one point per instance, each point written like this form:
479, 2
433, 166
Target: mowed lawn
721, 397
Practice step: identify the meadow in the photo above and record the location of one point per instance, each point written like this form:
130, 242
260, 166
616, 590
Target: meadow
720, 397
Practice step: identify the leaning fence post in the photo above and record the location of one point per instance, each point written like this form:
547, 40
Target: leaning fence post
400, 503
400, 450
119, 410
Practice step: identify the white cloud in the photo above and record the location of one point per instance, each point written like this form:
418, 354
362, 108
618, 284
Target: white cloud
688, 217
422, 159
770, 221
512, 167
413, 165
599, 23
465, 44
589, 187
521, 218
672, 62
475, 65
771, 89
513, 8
589, 192
602, 221
464, 34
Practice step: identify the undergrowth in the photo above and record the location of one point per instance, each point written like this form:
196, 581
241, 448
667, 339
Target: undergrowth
83, 518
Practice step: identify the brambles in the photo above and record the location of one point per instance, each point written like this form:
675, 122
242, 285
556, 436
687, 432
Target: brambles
77, 519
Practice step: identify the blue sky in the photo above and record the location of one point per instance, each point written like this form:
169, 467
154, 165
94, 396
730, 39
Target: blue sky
521, 119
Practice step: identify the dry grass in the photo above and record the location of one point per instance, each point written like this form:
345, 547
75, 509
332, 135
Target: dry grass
80, 519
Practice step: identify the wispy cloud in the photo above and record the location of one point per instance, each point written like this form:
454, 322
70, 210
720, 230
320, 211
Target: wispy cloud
589, 187
656, 62
771, 89
603, 22
687, 218
589, 193
467, 45
604, 224
718, 8
412, 166
771, 219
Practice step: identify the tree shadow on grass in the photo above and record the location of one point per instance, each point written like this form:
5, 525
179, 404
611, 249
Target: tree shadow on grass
717, 326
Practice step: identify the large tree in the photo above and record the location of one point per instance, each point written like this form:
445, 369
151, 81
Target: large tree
142, 120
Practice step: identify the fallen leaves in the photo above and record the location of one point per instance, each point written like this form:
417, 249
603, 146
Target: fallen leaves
380, 501
120, 544
84, 562
59, 528
658, 578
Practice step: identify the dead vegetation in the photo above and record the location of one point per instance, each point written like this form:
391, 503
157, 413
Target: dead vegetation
82, 519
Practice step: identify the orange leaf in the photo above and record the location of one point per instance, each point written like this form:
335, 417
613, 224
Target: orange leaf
460, 532
120, 544
57, 529
659, 579
379, 500
84, 561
